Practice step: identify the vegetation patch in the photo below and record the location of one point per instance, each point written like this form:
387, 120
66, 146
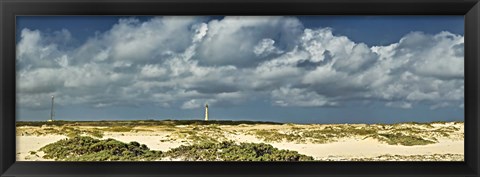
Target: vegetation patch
118, 129
229, 151
324, 135
96, 133
83, 148
200, 134
401, 139
398, 134
275, 136
64, 130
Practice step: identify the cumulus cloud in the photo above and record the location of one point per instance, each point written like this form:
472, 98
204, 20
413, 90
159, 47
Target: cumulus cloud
186, 62
232, 40
37, 50
266, 47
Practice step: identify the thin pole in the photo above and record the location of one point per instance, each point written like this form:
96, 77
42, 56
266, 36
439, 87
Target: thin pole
51, 111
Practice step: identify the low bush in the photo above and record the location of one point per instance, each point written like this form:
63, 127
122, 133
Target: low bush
229, 151
96, 133
83, 148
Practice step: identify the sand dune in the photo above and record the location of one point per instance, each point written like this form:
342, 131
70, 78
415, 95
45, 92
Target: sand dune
446, 144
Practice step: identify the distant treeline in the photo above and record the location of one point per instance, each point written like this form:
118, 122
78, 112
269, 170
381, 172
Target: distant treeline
142, 122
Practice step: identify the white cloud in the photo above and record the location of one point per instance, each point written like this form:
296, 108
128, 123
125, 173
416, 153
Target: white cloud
187, 61
231, 40
29, 43
266, 47
134, 40
35, 50
200, 32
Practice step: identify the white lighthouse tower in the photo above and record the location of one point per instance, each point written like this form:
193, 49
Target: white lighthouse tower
206, 112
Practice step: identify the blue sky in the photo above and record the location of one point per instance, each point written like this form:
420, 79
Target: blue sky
306, 69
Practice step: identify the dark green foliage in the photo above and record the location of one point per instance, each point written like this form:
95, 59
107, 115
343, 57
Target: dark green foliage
229, 151
82, 148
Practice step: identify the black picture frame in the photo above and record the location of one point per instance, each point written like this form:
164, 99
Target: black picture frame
11, 8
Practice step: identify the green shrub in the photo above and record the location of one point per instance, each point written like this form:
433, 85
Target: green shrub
229, 151
96, 133
83, 148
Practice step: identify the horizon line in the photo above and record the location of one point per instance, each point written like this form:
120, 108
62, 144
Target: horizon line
264, 121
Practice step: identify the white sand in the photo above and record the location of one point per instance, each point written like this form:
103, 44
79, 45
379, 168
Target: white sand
357, 148
350, 148
343, 149
25, 144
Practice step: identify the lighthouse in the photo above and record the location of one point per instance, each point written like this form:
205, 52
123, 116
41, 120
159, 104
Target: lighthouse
206, 112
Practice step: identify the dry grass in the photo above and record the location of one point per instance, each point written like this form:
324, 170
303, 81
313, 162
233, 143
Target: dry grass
407, 134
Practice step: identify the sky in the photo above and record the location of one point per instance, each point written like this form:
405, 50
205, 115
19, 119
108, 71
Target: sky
299, 69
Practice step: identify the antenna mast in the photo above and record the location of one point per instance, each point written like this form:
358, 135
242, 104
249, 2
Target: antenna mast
51, 111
